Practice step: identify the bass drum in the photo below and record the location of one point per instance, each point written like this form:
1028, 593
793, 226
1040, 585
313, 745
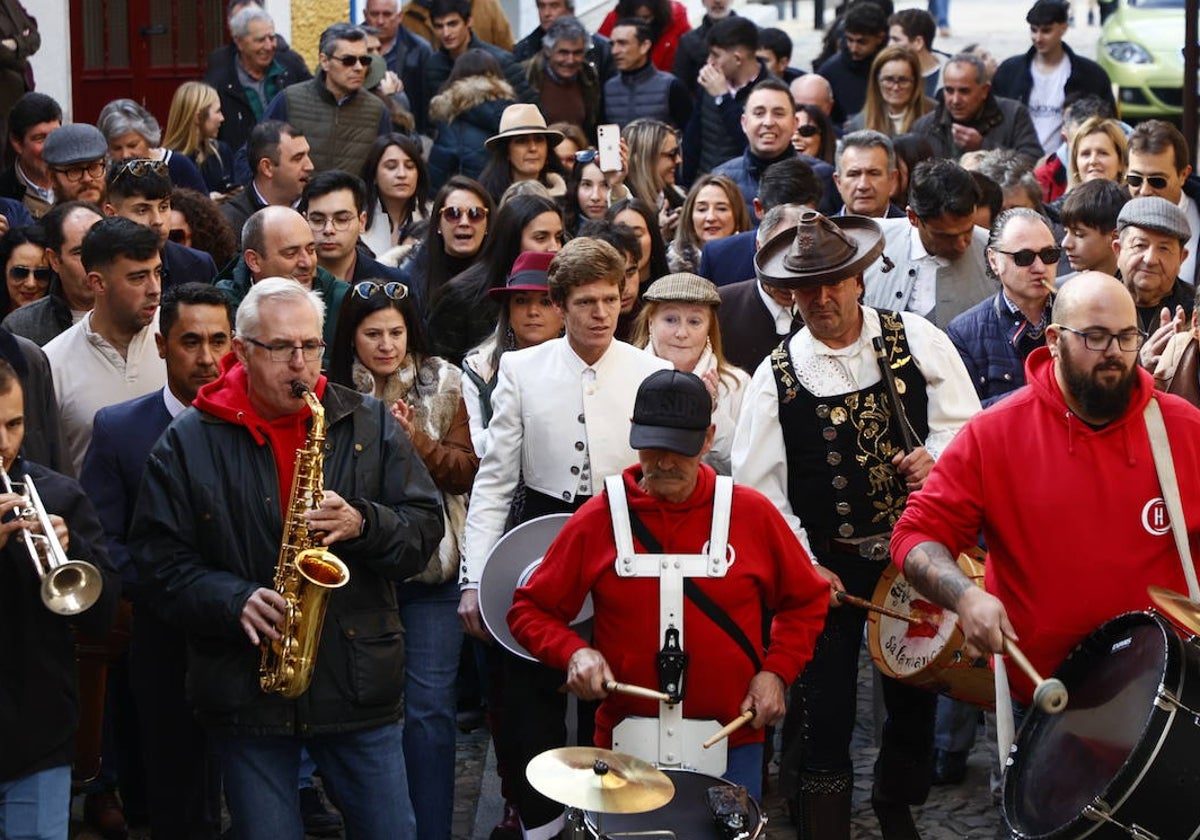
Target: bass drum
685, 817
1123, 759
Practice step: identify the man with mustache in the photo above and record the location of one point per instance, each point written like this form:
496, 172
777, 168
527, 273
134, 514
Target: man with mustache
821, 439
1077, 432
672, 502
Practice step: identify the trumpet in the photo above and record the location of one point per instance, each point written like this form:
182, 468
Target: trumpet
68, 586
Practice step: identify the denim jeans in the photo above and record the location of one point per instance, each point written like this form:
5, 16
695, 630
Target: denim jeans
940, 9
37, 806
743, 766
364, 769
433, 640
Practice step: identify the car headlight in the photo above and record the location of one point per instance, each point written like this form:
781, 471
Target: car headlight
1127, 52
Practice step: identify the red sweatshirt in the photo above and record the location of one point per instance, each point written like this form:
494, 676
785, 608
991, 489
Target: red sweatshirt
1073, 517
662, 54
771, 570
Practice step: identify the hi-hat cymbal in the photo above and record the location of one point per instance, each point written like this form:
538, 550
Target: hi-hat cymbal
1181, 608
599, 780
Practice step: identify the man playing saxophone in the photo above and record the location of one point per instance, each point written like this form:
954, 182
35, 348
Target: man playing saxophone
206, 537
39, 705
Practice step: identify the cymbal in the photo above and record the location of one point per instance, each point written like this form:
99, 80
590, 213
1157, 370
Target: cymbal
599, 780
1181, 608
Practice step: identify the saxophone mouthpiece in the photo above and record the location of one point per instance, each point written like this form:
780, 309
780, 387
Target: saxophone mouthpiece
298, 388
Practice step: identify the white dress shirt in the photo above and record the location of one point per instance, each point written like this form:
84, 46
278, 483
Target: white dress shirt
924, 295
759, 455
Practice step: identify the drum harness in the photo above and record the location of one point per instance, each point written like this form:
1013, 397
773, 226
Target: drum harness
677, 739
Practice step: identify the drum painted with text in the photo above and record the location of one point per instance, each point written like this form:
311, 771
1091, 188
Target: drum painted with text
685, 817
1123, 759
930, 653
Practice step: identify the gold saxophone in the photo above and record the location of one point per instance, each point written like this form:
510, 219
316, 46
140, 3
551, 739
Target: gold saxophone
305, 573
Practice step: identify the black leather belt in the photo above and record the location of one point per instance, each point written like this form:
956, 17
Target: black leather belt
875, 548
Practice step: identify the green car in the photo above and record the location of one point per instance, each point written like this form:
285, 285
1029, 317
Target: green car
1141, 48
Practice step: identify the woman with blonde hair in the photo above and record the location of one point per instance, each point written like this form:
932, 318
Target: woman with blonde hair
678, 322
714, 208
192, 125
895, 94
654, 158
1099, 149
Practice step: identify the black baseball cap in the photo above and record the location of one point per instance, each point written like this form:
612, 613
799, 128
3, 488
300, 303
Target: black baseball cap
672, 411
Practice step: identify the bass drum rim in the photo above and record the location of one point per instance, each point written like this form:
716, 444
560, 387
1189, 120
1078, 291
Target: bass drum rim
758, 818
1129, 776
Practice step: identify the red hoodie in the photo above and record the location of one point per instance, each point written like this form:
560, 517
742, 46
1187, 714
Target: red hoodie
228, 397
771, 571
1073, 516
662, 54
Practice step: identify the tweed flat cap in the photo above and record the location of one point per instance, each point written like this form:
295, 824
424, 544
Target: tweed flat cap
1151, 213
683, 287
74, 143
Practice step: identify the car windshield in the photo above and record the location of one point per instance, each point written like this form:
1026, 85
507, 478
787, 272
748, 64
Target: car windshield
1155, 4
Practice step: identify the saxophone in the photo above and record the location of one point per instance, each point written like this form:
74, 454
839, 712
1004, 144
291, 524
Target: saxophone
305, 572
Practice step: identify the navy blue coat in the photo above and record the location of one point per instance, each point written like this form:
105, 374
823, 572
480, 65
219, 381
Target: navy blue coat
181, 264
983, 336
729, 259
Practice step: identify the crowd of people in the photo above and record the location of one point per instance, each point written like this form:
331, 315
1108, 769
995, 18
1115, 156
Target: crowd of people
406, 301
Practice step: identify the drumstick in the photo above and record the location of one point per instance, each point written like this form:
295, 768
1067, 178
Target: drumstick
1048, 695
863, 603
613, 686
729, 728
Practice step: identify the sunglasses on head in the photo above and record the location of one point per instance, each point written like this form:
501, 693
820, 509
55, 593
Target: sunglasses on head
349, 61
369, 288
807, 130
22, 272
586, 156
455, 214
1025, 257
137, 168
1157, 182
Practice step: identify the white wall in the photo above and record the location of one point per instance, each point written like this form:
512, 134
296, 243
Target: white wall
52, 63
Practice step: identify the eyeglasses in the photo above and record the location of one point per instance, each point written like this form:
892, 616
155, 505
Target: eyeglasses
22, 272
1025, 257
340, 221
807, 130
586, 156
1157, 182
281, 352
178, 235
136, 167
349, 61
74, 174
674, 154
1098, 341
474, 215
367, 289
896, 81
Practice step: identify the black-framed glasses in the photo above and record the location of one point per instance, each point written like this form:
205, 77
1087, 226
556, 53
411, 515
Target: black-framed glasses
1156, 182
1098, 340
474, 215
674, 154
22, 272
75, 173
282, 351
349, 61
340, 221
896, 81
366, 289
807, 130
586, 156
1025, 257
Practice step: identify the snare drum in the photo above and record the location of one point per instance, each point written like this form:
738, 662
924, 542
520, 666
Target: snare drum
685, 817
1123, 759
930, 655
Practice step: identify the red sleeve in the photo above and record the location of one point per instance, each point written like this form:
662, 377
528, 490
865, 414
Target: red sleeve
544, 607
606, 26
947, 509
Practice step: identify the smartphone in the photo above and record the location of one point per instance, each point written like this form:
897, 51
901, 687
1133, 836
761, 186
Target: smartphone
609, 141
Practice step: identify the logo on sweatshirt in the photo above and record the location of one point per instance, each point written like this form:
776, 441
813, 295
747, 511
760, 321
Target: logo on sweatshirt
1154, 517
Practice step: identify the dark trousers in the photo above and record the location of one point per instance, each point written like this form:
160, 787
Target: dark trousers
823, 707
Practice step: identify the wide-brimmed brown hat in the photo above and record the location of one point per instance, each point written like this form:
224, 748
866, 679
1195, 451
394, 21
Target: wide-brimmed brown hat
819, 250
520, 119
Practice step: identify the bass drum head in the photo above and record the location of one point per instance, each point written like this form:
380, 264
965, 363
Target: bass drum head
510, 565
1063, 762
687, 813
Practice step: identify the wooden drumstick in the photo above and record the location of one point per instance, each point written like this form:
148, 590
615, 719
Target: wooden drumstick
863, 603
731, 727
612, 686
1048, 695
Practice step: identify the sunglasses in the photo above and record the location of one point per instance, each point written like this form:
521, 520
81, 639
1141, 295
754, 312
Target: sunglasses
367, 289
474, 215
137, 168
807, 130
349, 61
1157, 182
22, 272
1025, 257
178, 235
586, 156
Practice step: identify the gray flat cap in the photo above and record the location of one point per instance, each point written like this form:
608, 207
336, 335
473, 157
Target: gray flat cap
74, 143
1151, 213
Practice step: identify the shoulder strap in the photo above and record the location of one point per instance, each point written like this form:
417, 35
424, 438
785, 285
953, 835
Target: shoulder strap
1160, 448
718, 541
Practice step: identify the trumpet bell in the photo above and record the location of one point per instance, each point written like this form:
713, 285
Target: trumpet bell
71, 588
